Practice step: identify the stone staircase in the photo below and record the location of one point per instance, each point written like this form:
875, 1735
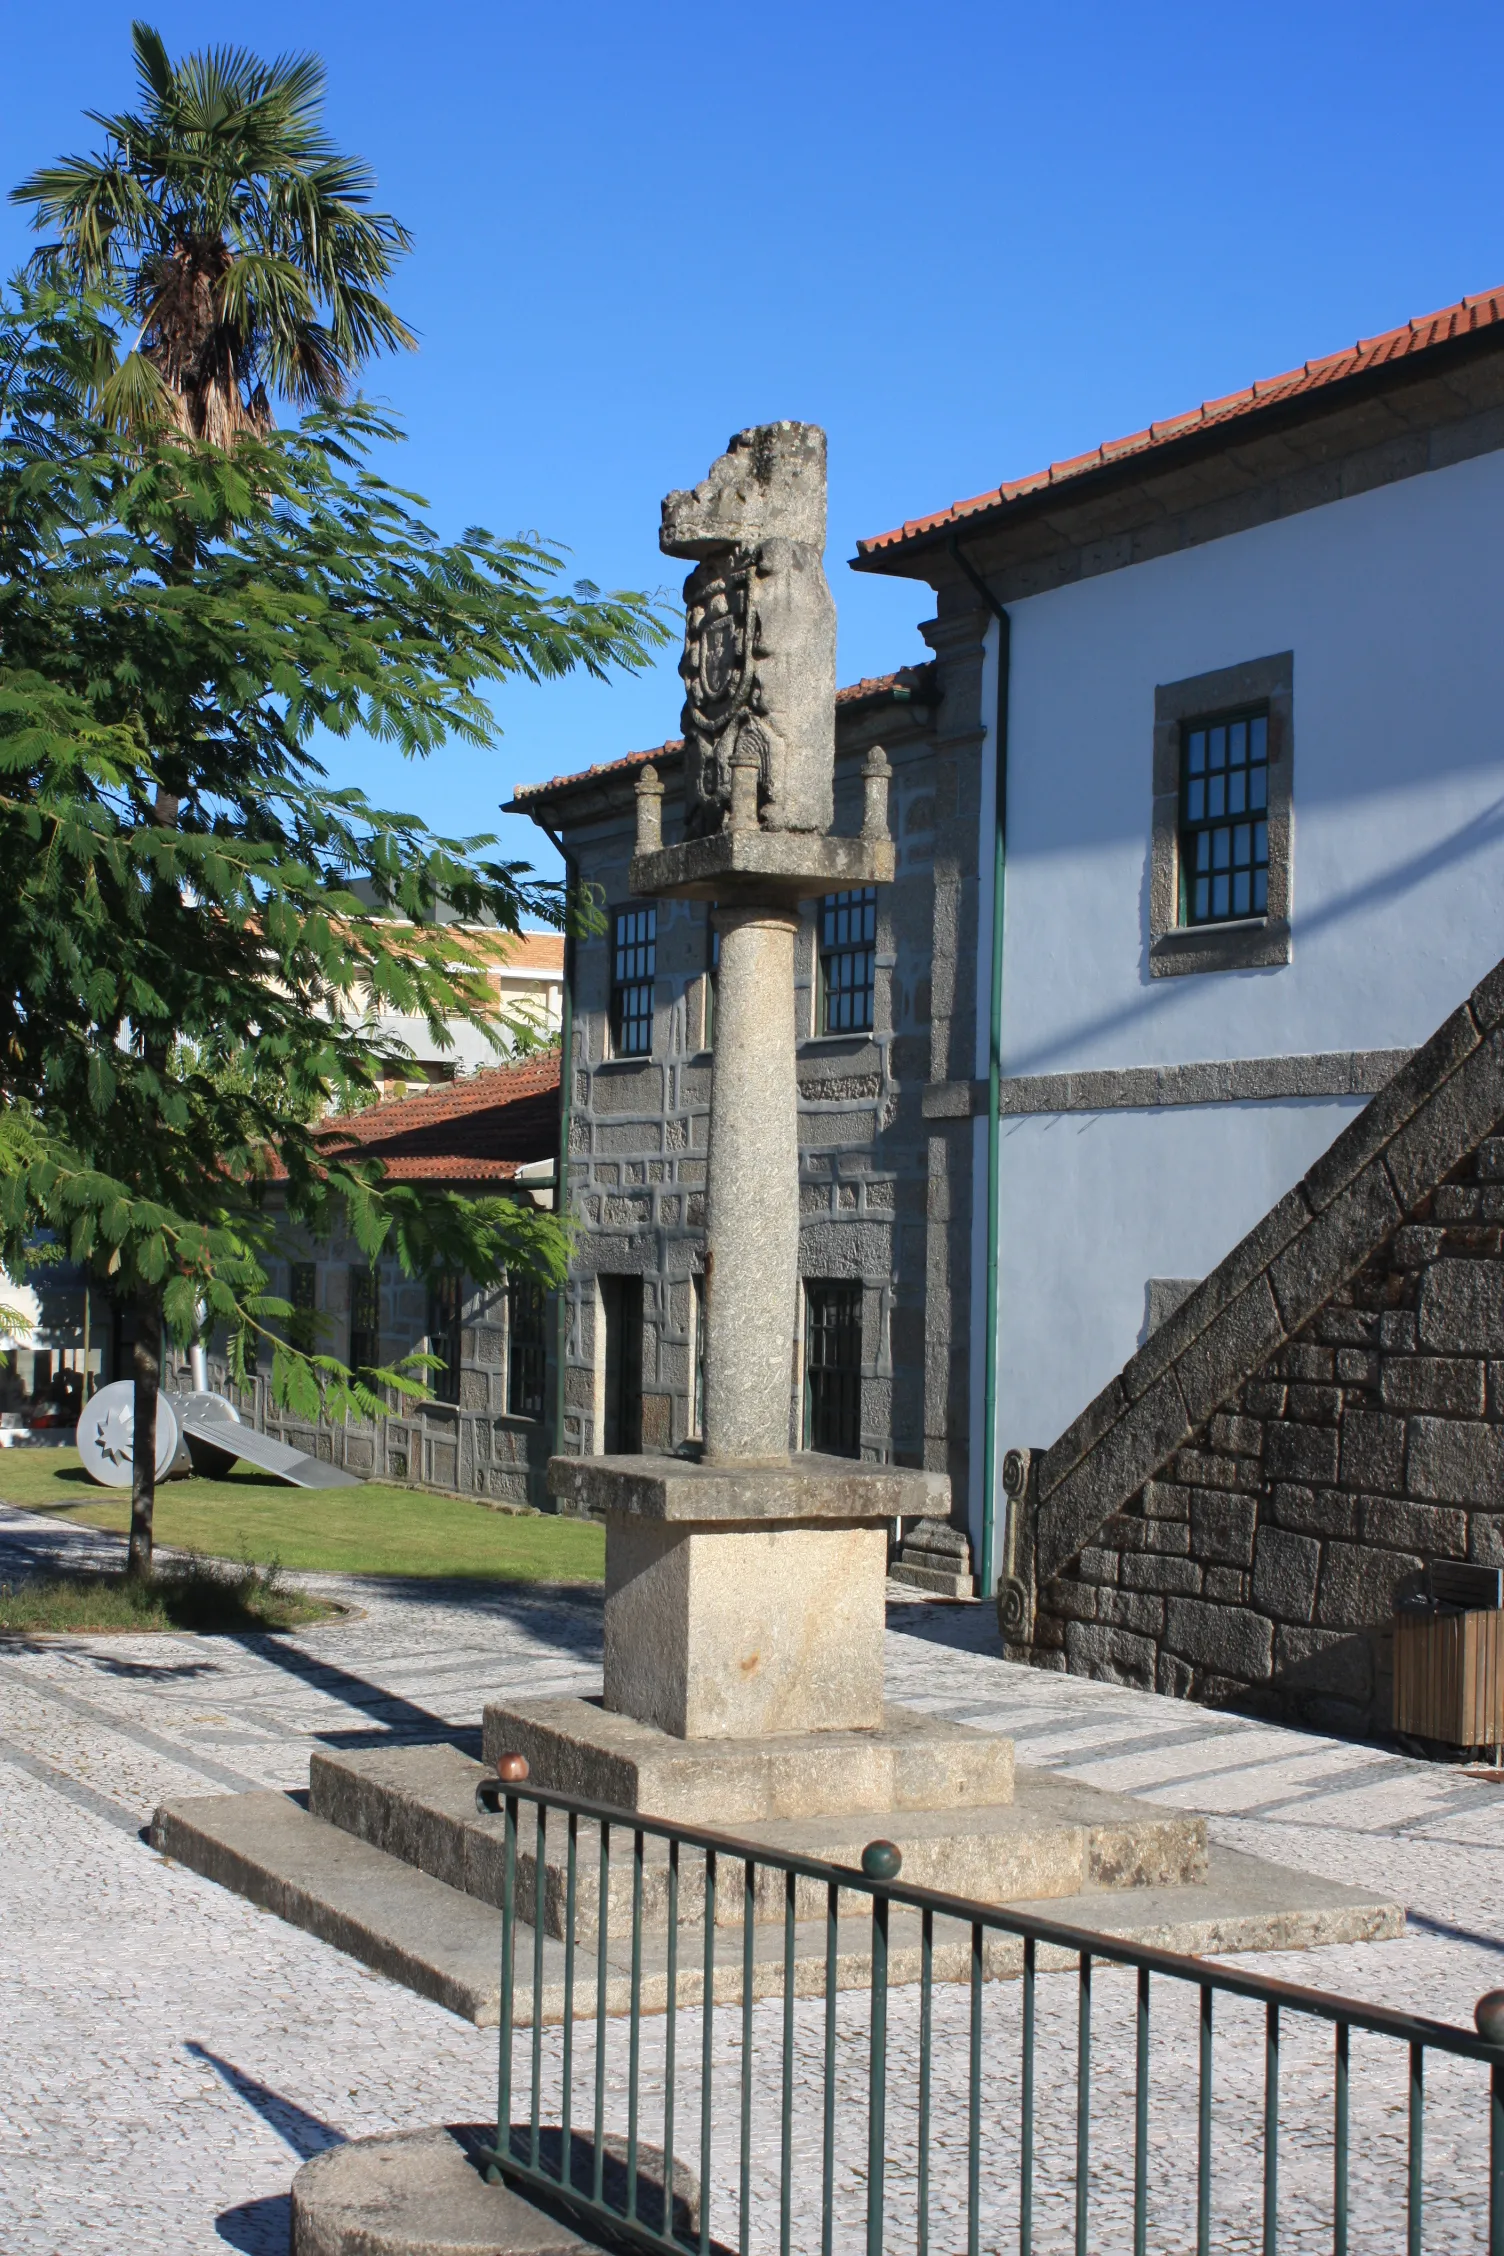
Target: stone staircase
1238, 1513
934, 1557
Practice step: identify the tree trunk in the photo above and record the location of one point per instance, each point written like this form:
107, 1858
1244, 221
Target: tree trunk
147, 1374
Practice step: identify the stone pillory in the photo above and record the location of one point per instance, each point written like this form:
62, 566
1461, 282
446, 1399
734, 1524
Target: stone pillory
759, 661
744, 1592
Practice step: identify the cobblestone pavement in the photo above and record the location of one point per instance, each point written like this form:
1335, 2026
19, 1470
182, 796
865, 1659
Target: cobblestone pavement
169, 2053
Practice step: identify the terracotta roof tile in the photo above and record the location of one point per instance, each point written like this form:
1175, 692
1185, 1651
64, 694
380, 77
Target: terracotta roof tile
1469, 317
479, 1130
487, 1090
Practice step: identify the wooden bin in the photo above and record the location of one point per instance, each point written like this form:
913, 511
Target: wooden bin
1449, 1676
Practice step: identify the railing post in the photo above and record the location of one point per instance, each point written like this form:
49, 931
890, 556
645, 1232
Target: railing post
1271, 2130
508, 1943
877, 2077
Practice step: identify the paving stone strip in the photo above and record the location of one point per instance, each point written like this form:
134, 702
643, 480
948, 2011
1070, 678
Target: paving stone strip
169, 2054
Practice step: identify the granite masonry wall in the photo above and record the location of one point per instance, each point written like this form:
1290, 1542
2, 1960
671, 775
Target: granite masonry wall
1322, 1417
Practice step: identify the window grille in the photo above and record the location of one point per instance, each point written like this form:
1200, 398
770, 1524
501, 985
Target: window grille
445, 1307
302, 1291
848, 936
634, 958
697, 1313
527, 1348
712, 972
833, 1368
1224, 825
621, 1308
365, 1319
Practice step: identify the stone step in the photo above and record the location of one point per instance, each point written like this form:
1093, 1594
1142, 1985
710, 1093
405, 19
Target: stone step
914, 1761
446, 1945
1056, 1838
918, 1574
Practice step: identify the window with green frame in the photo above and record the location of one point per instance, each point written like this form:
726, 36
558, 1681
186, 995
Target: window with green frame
833, 1367
446, 1301
1224, 820
634, 964
848, 943
302, 1291
527, 1348
365, 1319
712, 968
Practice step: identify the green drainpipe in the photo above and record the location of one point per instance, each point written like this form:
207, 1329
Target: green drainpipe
566, 1085
989, 1560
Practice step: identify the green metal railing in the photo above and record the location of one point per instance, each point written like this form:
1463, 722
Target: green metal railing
734, 1891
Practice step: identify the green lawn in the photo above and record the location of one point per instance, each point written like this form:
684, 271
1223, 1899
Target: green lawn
367, 1530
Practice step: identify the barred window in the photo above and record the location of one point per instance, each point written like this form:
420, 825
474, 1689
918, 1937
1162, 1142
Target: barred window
302, 1329
712, 971
445, 1307
848, 936
527, 1348
365, 1319
634, 961
697, 1317
1224, 826
833, 1368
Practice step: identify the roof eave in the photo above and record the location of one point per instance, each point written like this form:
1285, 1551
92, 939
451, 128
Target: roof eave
1176, 453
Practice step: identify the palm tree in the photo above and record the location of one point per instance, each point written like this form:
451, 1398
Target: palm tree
224, 218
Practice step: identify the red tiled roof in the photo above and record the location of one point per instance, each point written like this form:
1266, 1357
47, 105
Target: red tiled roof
1431, 330
479, 1130
533, 951
488, 1090
872, 685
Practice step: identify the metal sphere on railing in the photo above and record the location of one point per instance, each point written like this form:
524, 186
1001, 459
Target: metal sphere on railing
512, 1768
1488, 2014
882, 1860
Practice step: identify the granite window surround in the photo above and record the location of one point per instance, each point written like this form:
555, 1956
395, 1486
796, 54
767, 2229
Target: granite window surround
1247, 943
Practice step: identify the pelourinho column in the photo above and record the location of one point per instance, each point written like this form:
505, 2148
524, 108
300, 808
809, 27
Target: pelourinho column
752, 1191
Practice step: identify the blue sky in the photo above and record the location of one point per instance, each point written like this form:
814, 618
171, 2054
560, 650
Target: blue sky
967, 238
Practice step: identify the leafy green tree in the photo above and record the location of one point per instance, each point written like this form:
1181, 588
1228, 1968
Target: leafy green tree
238, 236
189, 949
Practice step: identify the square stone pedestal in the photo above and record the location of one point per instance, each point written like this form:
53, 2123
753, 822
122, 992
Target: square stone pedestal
745, 1601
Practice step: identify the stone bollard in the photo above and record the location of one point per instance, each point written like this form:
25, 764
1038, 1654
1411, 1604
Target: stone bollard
877, 774
649, 811
746, 774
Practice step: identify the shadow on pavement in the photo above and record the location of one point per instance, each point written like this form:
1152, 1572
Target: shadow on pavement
306, 2134
258, 2228
961, 1628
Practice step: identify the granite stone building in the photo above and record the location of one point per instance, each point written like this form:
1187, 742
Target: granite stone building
1197, 802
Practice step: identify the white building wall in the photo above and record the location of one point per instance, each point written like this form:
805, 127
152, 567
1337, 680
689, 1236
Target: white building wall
1391, 603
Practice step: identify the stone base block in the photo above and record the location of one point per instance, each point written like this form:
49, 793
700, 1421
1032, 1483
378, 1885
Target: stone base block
745, 1599
912, 1761
426, 2193
733, 1632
